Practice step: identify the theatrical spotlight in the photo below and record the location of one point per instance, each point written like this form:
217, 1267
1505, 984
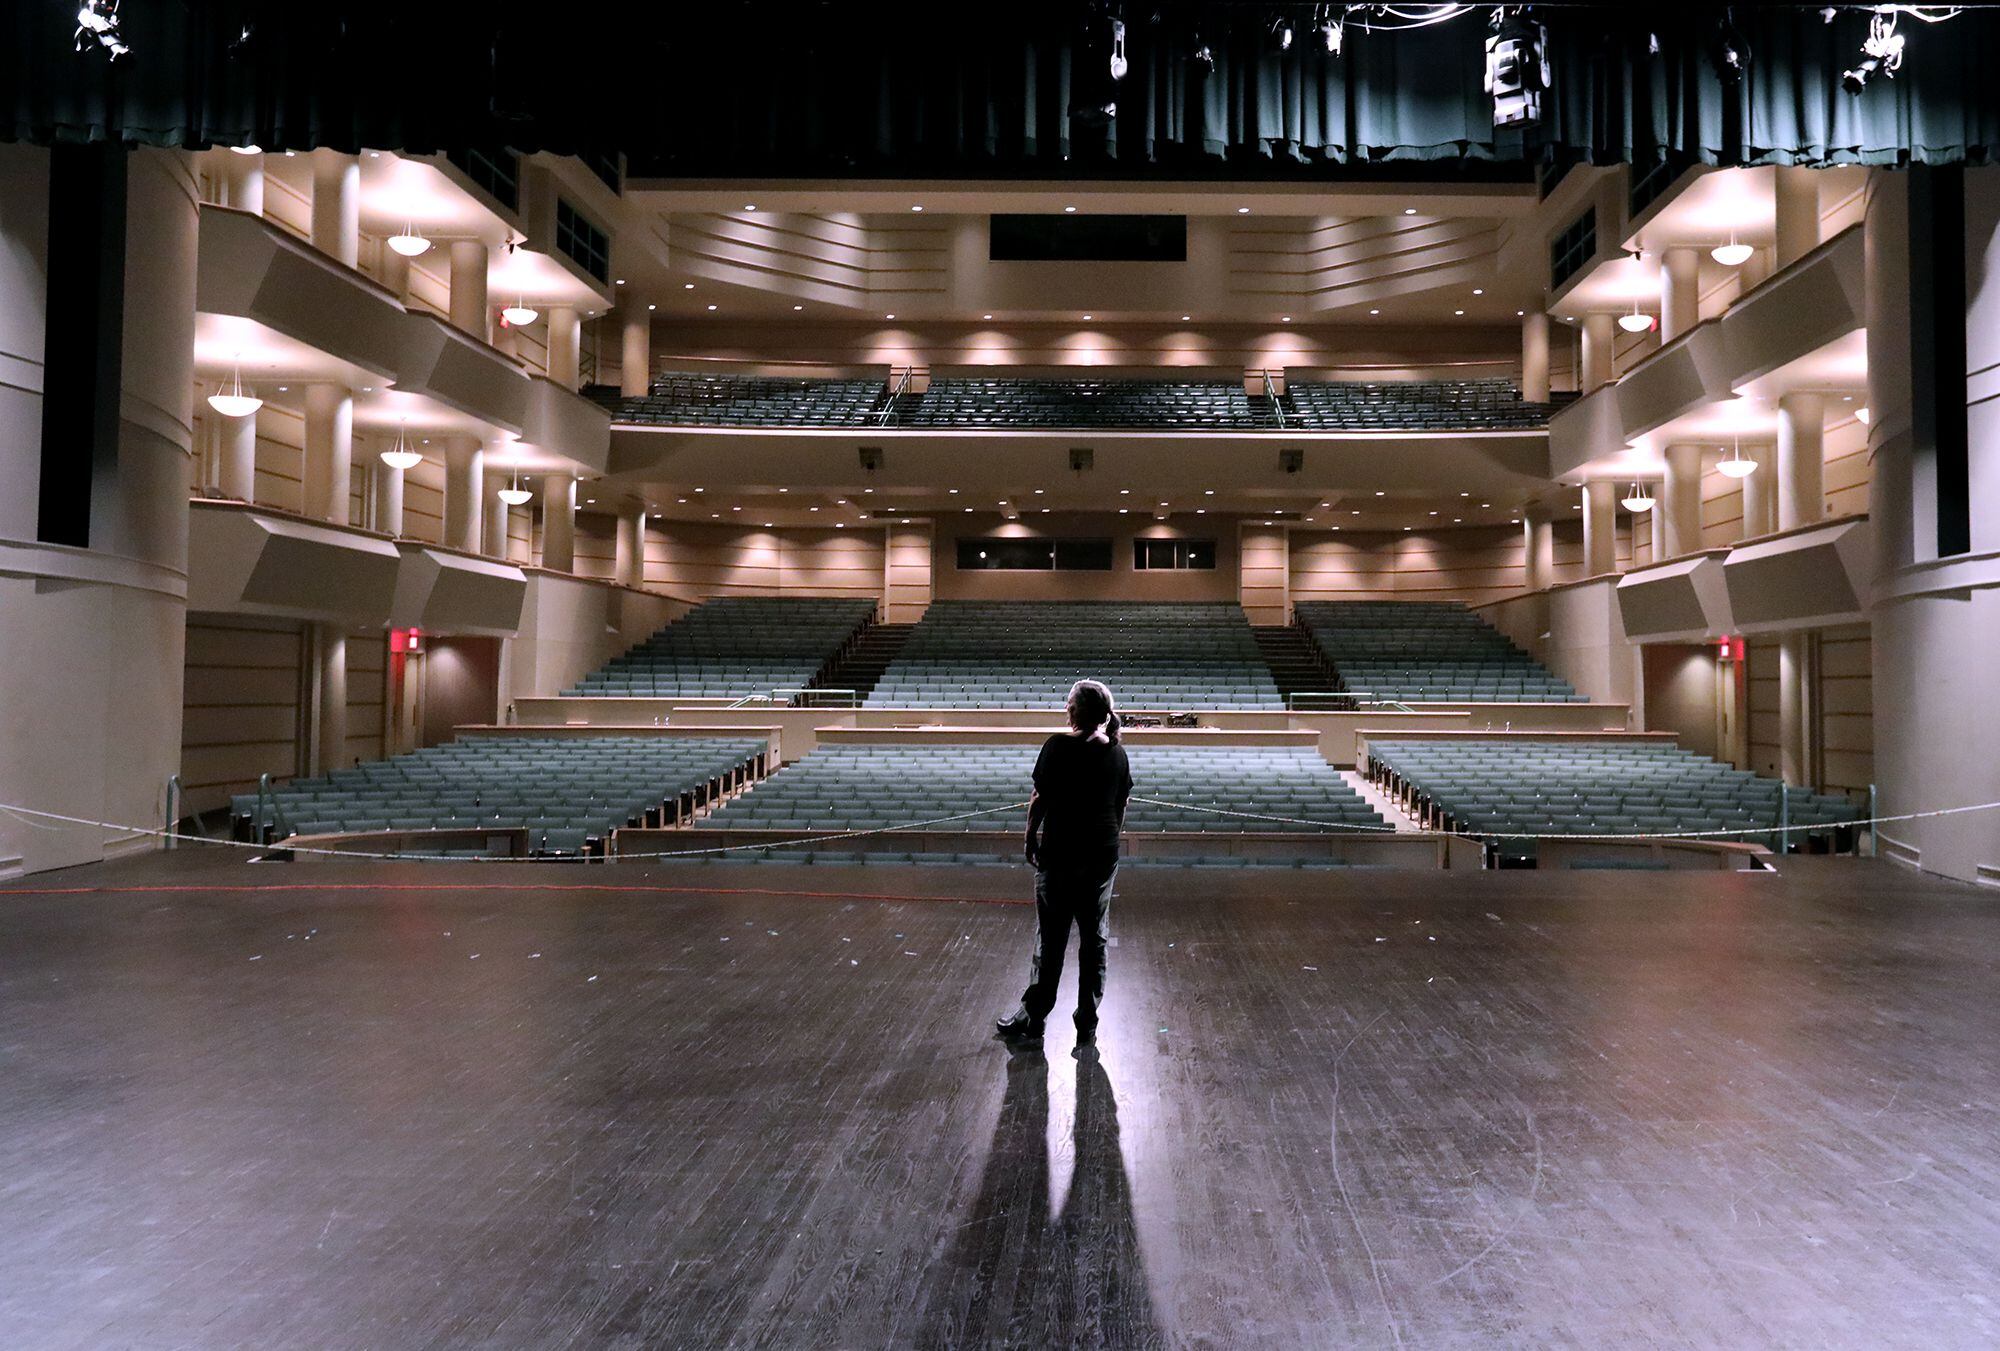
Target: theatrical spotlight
1517, 66
1330, 21
1881, 54
97, 29
1280, 34
1102, 48
1728, 50
1202, 57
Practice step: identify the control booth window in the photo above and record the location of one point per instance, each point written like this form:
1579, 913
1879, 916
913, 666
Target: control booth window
1034, 555
1150, 555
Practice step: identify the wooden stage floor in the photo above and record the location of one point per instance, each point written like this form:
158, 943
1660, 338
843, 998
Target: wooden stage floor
1338, 1109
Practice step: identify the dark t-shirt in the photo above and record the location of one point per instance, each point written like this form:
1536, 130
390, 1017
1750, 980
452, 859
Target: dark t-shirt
1083, 786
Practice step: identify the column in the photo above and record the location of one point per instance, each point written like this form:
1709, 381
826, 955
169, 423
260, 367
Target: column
1801, 459
1680, 292
1599, 332
330, 739
559, 523
464, 492
388, 498
1795, 709
1681, 500
1759, 494
1797, 211
237, 438
336, 206
631, 557
1600, 527
494, 522
329, 451
468, 287
394, 272
1659, 522
1534, 357
1538, 548
565, 344
243, 180
635, 352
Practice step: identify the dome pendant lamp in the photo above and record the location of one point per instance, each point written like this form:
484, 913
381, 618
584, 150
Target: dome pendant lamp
400, 456
1635, 322
519, 315
1638, 499
1731, 254
514, 494
233, 402
409, 243
1736, 466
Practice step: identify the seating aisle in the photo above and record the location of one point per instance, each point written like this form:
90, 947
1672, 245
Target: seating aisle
733, 647
1427, 652
1026, 654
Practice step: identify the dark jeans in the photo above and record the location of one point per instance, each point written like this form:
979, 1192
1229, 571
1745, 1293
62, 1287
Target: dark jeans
1066, 896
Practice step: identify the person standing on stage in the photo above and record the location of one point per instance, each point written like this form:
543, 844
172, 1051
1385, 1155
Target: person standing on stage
1075, 815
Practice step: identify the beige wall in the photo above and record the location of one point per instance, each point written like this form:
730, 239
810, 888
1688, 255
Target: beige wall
1681, 695
1474, 564
703, 561
1847, 707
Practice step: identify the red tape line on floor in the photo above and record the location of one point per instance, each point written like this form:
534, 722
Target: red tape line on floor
620, 888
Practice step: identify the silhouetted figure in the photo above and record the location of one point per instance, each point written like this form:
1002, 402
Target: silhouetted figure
1017, 1278
1082, 784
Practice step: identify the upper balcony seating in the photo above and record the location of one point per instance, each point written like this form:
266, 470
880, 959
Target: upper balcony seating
1521, 788
1026, 654
1427, 652
843, 787
1078, 404
733, 647
563, 790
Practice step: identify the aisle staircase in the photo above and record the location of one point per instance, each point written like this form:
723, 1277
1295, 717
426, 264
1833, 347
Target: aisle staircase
860, 667
1295, 661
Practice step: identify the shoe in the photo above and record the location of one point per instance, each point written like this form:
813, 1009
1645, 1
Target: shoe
1020, 1024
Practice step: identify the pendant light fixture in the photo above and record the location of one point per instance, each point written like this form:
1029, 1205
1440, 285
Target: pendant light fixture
1635, 322
409, 243
1639, 499
233, 402
514, 495
518, 314
400, 456
1736, 466
1731, 254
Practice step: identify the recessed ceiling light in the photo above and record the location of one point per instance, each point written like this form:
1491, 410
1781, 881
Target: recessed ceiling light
1125, 492
701, 490
714, 515
621, 281
1069, 210
1201, 511
1520, 314
652, 307
687, 286
798, 307
1409, 211
1124, 511
985, 316
888, 316
784, 490
1208, 492
1478, 291
1038, 492
751, 207
1086, 318
1374, 311
968, 511
1458, 311
840, 525
736, 508
1242, 210
1285, 319
812, 508
1380, 493
916, 208
1355, 513
952, 491
1186, 317
1465, 494
711, 307
681, 500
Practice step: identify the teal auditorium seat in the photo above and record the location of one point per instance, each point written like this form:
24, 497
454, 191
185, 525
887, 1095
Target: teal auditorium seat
848, 787
732, 647
1521, 788
1026, 654
564, 790
1427, 652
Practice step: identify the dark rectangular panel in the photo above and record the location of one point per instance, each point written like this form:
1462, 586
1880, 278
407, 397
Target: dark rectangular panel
1939, 426
1088, 239
84, 330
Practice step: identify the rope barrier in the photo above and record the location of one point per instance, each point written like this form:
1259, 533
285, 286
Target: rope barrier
32, 817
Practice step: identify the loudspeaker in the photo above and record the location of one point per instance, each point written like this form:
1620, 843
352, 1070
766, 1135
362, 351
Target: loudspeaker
1291, 461
1081, 458
871, 458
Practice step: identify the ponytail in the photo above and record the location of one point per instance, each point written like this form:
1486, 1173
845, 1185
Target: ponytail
1092, 712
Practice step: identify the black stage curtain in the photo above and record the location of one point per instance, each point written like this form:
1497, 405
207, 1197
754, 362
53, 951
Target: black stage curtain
843, 87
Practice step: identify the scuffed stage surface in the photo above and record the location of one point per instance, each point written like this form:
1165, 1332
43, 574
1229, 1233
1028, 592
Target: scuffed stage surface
1336, 1109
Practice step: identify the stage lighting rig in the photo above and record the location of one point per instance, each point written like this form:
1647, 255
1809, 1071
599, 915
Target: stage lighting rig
1280, 33
1881, 54
1330, 22
1728, 50
97, 30
1103, 65
1517, 66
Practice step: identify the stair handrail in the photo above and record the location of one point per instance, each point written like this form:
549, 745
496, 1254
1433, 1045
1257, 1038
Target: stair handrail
1271, 393
889, 407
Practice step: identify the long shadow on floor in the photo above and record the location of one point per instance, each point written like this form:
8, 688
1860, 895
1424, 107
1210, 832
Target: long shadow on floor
1015, 1275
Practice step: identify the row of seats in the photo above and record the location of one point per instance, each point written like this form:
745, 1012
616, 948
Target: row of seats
726, 400
847, 787
565, 791
1528, 787
1426, 652
733, 647
1026, 654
